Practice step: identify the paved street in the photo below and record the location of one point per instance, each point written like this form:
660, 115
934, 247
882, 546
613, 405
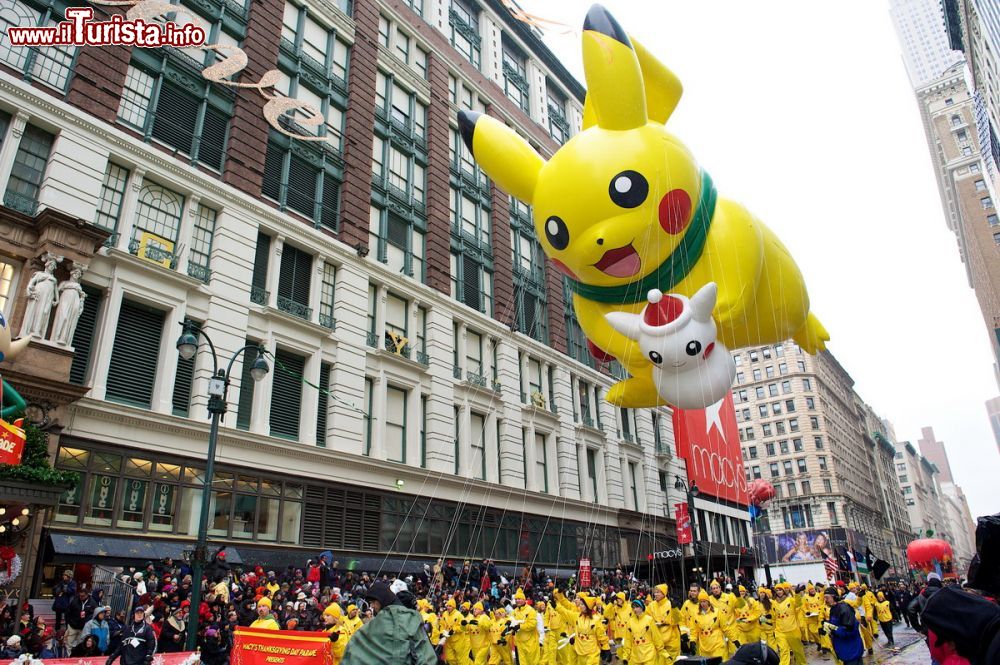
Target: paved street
910, 651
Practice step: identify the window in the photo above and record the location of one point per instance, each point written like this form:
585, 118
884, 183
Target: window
258, 281
762, 409
770, 448
556, 107
787, 466
157, 222
327, 292
822, 462
797, 445
776, 408
900, 467
760, 392
908, 490
801, 463
200, 258
980, 185
791, 489
541, 463
383, 30
308, 45
397, 324
806, 487
658, 444
28, 170
806, 384
83, 338
814, 422
911, 502
286, 393
827, 486
783, 446
738, 359
754, 357
973, 168
992, 219
779, 427
743, 395
246, 386
750, 433
463, 17
51, 65
769, 371
402, 121
782, 368
773, 469
190, 114
592, 472
755, 471
368, 420
810, 403
530, 294
629, 429
399, 239
472, 282
515, 75
135, 355
831, 509
322, 403
109, 206
294, 279
986, 202
772, 389
789, 406
793, 424
966, 151
396, 401
765, 429
756, 374
786, 387
752, 450
310, 187
740, 377
904, 479
181, 398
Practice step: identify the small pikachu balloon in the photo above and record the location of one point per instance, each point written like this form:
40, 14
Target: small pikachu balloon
9, 349
623, 208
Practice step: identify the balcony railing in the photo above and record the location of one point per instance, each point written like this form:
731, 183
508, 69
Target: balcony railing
496, 387
328, 321
289, 306
259, 296
203, 273
112, 240
21, 203
372, 340
423, 358
587, 421
456, 372
476, 379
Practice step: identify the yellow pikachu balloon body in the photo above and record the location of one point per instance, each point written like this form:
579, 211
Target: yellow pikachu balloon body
623, 207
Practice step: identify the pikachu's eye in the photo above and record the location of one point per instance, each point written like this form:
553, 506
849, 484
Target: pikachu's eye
628, 189
556, 232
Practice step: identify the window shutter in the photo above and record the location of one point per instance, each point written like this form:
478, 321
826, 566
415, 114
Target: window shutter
273, 166
293, 280
245, 405
323, 404
312, 517
398, 231
301, 195
331, 203
135, 355
261, 258
470, 279
183, 380
83, 338
213, 138
286, 394
176, 117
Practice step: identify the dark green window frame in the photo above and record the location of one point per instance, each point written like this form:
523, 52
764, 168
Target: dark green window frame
295, 281
530, 294
304, 177
464, 21
28, 170
52, 66
132, 368
576, 340
515, 75
323, 403
244, 406
109, 207
83, 337
286, 394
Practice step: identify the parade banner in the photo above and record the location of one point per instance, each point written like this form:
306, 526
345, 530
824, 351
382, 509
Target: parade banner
802, 545
708, 440
585, 573
11, 442
280, 647
683, 520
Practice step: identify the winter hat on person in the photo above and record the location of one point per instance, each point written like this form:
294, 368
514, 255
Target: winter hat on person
450, 604
14, 641
479, 606
715, 584
381, 592
742, 589
300, 596
933, 576
519, 595
264, 602
333, 609
620, 596
880, 596
137, 576
702, 595
466, 606
588, 600
756, 653
638, 603
353, 608
662, 588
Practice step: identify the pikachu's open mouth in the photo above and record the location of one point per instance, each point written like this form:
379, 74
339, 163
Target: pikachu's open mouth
620, 262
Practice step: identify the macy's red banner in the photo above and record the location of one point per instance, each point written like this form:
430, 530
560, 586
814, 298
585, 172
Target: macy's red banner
280, 647
158, 659
710, 443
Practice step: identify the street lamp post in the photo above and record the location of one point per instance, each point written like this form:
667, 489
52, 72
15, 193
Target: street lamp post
691, 491
218, 385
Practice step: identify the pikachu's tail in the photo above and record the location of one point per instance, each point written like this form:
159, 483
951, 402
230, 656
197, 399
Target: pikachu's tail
812, 336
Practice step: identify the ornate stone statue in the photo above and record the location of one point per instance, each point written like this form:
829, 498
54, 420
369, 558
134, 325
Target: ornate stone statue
41, 293
70, 307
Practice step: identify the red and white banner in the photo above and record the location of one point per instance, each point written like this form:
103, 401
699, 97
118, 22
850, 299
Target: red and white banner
11, 442
683, 520
585, 573
710, 443
280, 647
158, 659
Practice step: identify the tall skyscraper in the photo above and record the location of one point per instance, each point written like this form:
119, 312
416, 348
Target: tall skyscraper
951, 117
934, 450
993, 413
926, 50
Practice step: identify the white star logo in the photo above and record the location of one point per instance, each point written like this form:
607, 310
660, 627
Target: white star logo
713, 418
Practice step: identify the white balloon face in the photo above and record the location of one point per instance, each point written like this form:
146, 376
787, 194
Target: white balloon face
683, 349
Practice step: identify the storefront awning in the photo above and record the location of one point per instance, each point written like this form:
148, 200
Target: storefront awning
83, 548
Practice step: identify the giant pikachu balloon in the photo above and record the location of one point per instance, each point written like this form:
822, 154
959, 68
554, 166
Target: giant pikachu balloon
623, 208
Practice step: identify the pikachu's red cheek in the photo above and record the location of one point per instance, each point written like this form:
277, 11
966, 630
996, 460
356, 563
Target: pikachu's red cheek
675, 211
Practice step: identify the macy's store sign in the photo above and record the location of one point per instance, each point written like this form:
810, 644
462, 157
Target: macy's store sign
708, 440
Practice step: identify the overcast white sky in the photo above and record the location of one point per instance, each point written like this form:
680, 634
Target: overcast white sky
803, 112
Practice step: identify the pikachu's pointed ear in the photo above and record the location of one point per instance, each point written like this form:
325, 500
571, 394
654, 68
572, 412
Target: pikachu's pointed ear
502, 154
614, 79
663, 89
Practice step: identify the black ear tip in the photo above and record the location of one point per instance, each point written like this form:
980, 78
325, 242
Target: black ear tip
467, 126
600, 20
